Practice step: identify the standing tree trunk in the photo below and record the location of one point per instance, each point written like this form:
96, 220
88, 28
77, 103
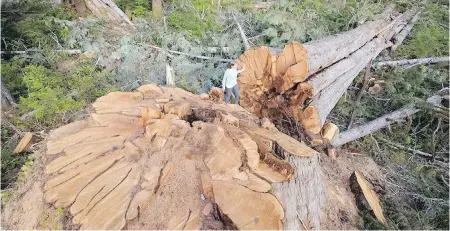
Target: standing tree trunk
157, 8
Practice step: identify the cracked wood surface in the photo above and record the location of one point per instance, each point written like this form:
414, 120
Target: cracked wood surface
131, 165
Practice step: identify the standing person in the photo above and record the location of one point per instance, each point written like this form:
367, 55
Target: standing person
229, 83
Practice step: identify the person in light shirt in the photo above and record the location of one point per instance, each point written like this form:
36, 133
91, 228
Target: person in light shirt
229, 83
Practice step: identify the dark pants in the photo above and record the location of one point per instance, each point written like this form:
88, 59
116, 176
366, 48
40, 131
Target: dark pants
235, 91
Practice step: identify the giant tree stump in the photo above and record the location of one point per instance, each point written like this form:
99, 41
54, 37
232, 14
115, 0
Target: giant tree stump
144, 160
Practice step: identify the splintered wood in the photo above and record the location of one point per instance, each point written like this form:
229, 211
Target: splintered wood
137, 162
273, 83
361, 186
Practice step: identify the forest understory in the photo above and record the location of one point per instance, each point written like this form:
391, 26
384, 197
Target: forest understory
57, 59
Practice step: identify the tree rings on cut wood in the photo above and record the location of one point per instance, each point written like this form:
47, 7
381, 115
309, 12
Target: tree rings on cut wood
154, 158
272, 83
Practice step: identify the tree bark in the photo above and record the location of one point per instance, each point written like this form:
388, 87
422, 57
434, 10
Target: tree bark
303, 197
398, 39
408, 62
107, 8
331, 82
372, 126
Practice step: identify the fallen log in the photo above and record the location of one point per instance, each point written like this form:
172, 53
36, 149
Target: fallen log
189, 55
408, 62
7, 99
314, 75
108, 9
398, 38
372, 126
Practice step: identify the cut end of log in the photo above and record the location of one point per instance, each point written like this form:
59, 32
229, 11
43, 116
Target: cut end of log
272, 83
137, 157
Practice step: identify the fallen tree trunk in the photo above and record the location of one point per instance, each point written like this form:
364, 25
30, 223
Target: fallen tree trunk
372, 126
398, 39
108, 9
190, 55
315, 75
408, 62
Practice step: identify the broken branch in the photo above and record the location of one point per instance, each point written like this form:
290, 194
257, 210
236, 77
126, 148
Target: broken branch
190, 55
243, 36
360, 93
372, 126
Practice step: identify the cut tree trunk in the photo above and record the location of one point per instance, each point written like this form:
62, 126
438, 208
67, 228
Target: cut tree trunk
149, 154
316, 74
372, 126
303, 197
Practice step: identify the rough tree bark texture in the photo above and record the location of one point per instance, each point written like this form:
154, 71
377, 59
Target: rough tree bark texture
108, 9
332, 82
302, 197
398, 38
372, 126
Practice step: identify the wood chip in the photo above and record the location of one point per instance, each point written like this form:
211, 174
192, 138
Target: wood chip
24, 143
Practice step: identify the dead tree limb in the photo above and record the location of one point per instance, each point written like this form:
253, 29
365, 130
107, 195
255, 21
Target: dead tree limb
70, 52
242, 32
360, 93
7, 99
407, 62
372, 126
190, 55
414, 151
